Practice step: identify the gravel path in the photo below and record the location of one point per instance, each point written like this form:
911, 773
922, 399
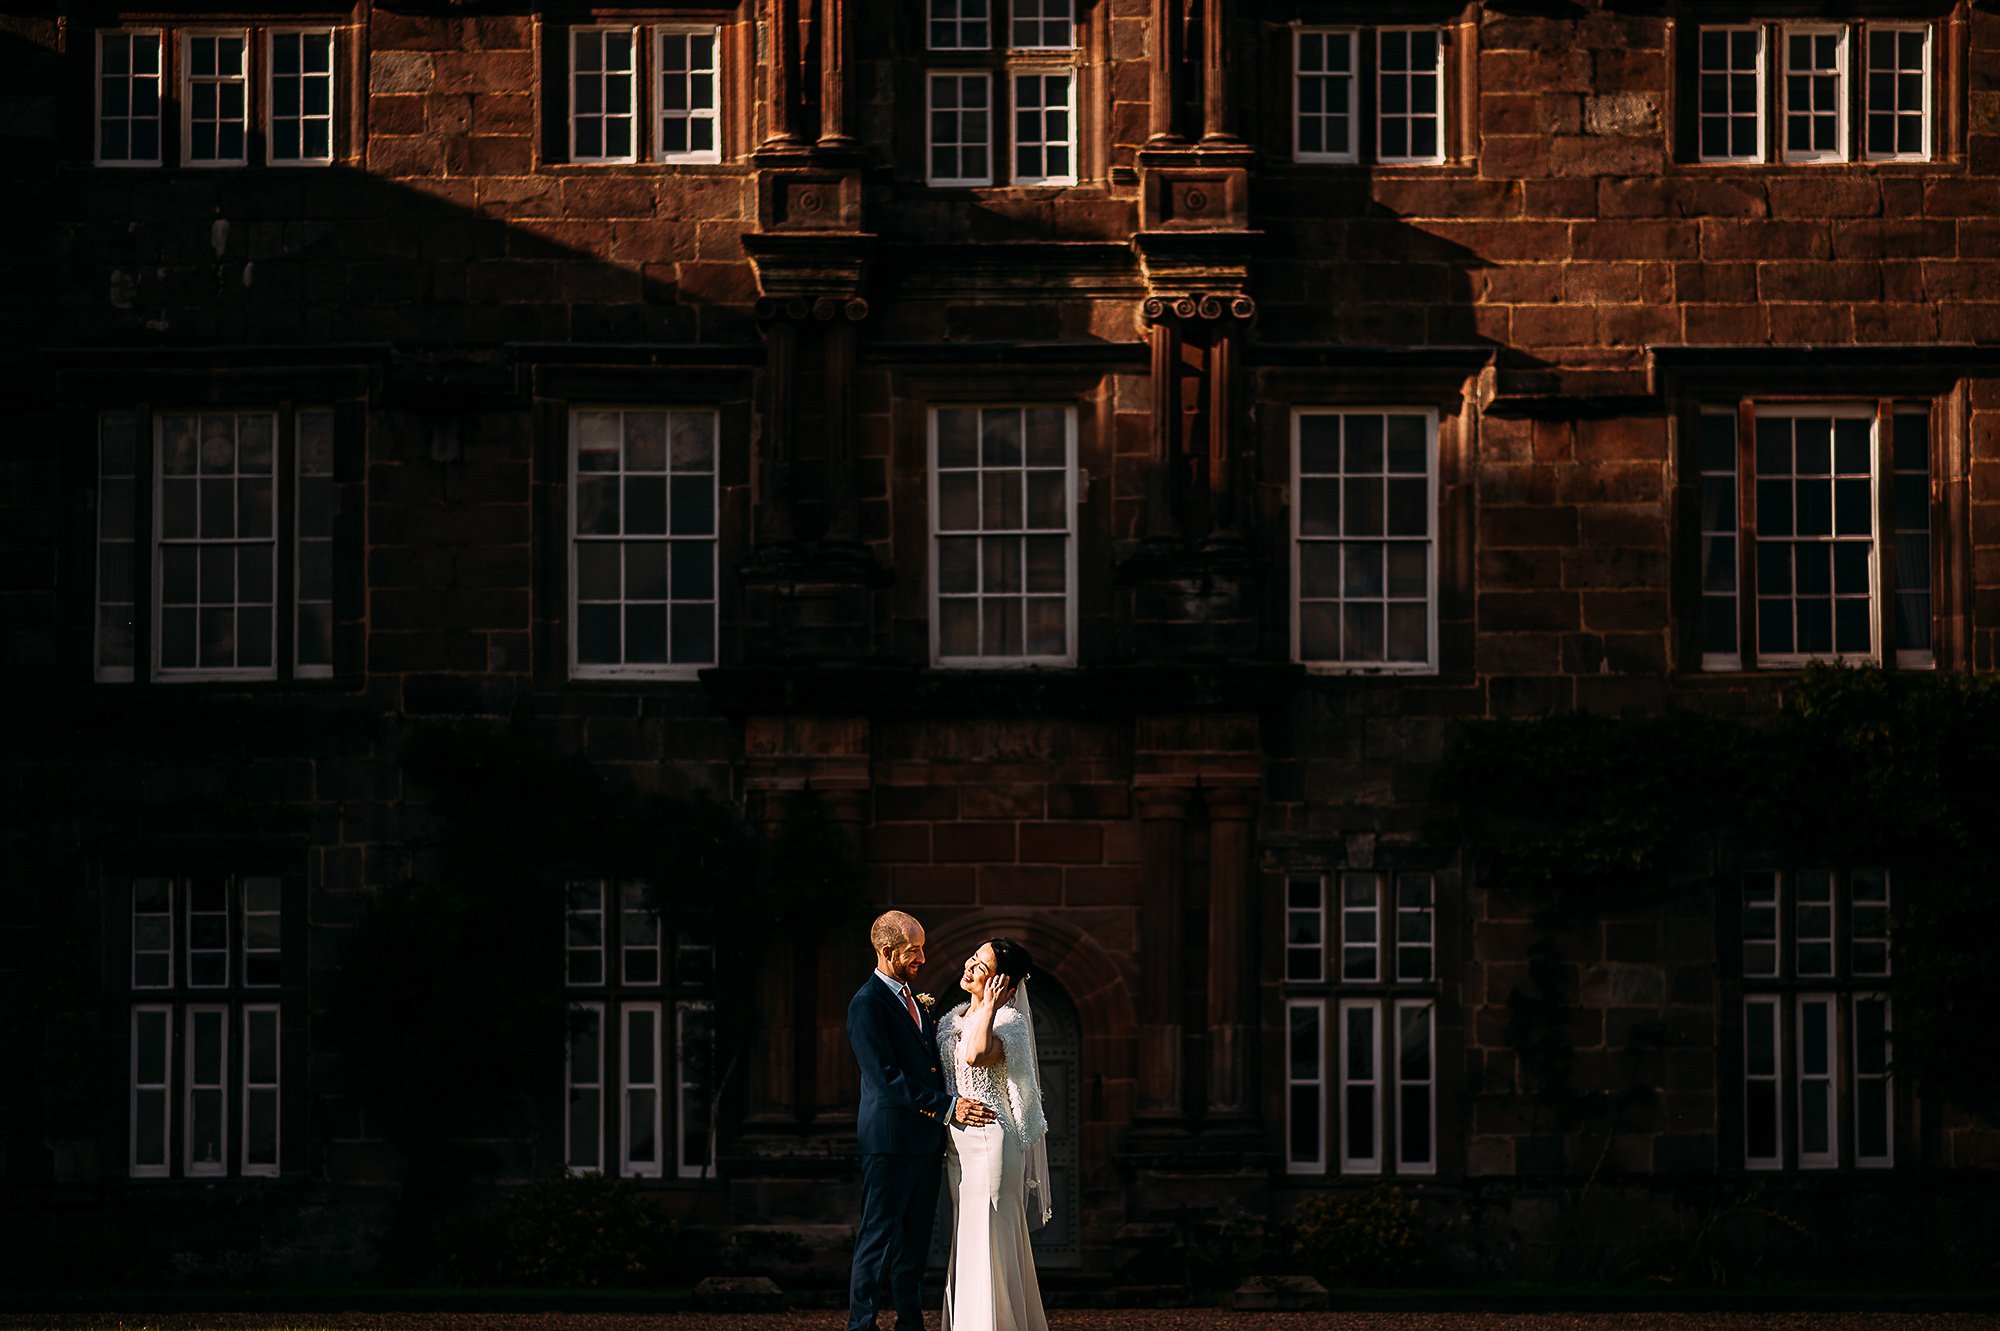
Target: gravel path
1179, 1319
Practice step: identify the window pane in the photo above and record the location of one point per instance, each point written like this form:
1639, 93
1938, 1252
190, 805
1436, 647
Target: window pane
994, 487
1363, 500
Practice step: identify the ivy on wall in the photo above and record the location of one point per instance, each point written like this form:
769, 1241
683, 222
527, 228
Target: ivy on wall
452, 1001
1856, 767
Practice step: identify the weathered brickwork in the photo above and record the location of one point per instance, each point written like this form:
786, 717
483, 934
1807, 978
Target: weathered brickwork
1560, 297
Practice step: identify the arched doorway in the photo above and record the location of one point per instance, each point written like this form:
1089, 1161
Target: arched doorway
1059, 1041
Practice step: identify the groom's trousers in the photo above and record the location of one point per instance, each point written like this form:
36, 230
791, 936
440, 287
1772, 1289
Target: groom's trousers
899, 1197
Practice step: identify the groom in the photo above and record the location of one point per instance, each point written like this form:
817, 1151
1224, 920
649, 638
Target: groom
901, 1126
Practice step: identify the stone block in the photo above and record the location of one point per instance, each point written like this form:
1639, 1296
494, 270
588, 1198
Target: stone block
1121, 885
1816, 282
394, 114
1622, 439
401, 71
1731, 239
1623, 569
1622, 986
951, 885
1637, 326
1811, 323
1559, 198
974, 843
1621, 113
1020, 885
1061, 843
1520, 569
896, 803
1000, 799
1554, 325
1809, 194
1586, 155
607, 196
891, 843
1724, 325
1726, 283
1528, 526
1489, 1156
1520, 696
1089, 800
1631, 240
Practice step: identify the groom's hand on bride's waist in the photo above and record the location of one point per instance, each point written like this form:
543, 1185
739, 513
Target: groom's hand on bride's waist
970, 1113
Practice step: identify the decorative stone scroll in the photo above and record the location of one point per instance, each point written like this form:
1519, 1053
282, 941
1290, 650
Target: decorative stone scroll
1198, 305
821, 309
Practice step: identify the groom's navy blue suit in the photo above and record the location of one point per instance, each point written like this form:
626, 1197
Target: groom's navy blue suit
901, 1126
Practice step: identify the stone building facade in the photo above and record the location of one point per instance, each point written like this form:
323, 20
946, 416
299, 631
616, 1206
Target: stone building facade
1101, 447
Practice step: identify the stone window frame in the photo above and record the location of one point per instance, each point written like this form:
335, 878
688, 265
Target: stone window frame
1689, 379
1299, 539
561, 378
1841, 72
1072, 505
1776, 991
735, 76
176, 1006
244, 79
287, 540
1365, 94
98, 392
301, 31
1944, 59
174, 106
679, 994
1444, 379
1324, 1005
1885, 584
1085, 63
1277, 112
922, 377
668, 538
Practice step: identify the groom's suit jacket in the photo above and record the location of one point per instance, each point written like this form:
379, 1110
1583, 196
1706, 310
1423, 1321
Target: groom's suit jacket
904, 1105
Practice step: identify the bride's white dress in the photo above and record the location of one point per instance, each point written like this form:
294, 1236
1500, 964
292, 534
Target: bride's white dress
990, 1285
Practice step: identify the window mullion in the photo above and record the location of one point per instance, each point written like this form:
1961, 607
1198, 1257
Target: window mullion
1746, 572
1882, 459
144, 558
284, 527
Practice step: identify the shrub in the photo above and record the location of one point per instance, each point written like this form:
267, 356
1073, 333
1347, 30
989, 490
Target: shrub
1370, 1238
588, 1231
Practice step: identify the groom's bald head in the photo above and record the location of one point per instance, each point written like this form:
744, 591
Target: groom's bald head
898, 941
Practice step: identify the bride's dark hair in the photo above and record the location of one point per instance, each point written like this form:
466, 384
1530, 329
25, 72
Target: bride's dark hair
1011, 959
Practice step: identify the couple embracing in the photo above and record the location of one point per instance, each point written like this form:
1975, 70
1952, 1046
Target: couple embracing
961, 1094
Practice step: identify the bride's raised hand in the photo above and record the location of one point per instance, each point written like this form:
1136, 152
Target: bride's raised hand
997, 990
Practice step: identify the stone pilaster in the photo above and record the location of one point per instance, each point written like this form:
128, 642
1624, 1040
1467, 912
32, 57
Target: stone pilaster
1232, 960
1163, 818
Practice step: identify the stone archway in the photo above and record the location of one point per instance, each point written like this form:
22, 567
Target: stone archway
1084, 1027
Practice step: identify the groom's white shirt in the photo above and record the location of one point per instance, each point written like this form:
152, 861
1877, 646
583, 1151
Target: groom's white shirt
896, 986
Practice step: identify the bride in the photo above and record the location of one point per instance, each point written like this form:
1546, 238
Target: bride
998, 1172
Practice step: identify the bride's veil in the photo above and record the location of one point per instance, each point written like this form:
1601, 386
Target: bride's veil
1027, 1093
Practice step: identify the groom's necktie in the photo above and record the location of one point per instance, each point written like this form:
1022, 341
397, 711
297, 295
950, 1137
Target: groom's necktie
911, 1004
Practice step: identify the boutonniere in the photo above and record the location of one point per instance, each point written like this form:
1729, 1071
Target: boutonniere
928, 1002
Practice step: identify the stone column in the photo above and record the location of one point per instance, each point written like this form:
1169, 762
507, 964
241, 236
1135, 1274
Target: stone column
842, 961
1163, 497
1216, 116
834, 45
1163, 850
780, 59
774, 454
1165, 103
842, 504
1224, 518
1232, 960
771, 1104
